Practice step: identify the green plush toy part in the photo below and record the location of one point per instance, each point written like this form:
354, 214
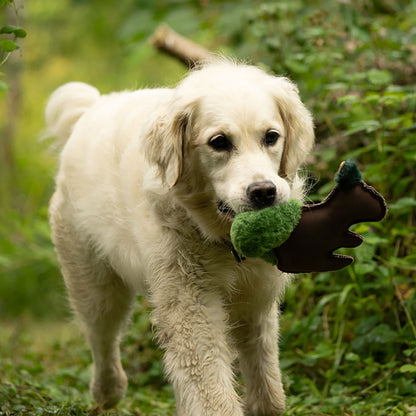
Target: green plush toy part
300, 238
257, 233
348, 174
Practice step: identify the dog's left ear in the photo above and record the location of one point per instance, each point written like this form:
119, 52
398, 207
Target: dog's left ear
165, 144
298, 125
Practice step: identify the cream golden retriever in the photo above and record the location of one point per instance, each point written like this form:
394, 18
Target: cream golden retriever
148, 184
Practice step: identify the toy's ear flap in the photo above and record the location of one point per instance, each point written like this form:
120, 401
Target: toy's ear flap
165, 145
298, 125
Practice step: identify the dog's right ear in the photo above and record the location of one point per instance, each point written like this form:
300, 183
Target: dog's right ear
298, 122
165, 144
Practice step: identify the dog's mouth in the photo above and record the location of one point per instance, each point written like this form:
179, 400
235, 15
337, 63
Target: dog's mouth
226, 210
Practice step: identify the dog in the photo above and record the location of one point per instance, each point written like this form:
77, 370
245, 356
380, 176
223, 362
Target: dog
149, 182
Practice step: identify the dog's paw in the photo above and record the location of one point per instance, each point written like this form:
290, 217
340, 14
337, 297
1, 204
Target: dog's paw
275, 411
269, 406
108, 388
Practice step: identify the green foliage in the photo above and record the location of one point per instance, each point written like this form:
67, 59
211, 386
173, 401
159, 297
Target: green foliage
49, 371
17, 31
29, 266
9, 44
348, 338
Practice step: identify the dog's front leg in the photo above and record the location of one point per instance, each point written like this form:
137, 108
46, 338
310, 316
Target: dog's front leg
259, 362
192, 330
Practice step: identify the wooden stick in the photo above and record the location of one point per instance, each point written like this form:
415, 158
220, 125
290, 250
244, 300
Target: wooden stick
190, 53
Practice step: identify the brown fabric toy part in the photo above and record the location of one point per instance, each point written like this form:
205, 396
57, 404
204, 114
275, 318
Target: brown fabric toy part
324, 227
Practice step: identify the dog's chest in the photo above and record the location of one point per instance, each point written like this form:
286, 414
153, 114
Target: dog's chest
252, 280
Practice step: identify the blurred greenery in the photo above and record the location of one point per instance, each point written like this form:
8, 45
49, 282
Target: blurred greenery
348, 338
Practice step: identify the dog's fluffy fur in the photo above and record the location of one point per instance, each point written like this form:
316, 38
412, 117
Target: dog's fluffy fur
136, 210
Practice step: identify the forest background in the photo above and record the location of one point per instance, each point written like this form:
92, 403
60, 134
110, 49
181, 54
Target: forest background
348, 342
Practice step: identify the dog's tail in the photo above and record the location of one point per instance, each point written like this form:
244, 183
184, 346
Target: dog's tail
65, 106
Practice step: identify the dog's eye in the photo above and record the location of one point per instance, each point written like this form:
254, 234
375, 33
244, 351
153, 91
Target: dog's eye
220, 143
271, 137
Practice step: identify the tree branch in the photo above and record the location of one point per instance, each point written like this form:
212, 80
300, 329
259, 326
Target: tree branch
189, 53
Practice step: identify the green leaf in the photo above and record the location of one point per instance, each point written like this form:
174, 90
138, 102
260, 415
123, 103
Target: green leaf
20, 33
367, 324
408, 368
377, 77
372, 97
8, 45
364, 268
409, 351
350, 356
403, 205
17, 31
3, 86
383, 334
367, 126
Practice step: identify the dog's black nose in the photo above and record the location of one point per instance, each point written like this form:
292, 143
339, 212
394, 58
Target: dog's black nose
262, 194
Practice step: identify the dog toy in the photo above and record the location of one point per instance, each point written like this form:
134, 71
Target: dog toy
302, 239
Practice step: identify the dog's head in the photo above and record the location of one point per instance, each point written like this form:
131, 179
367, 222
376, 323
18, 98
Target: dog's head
233, 141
